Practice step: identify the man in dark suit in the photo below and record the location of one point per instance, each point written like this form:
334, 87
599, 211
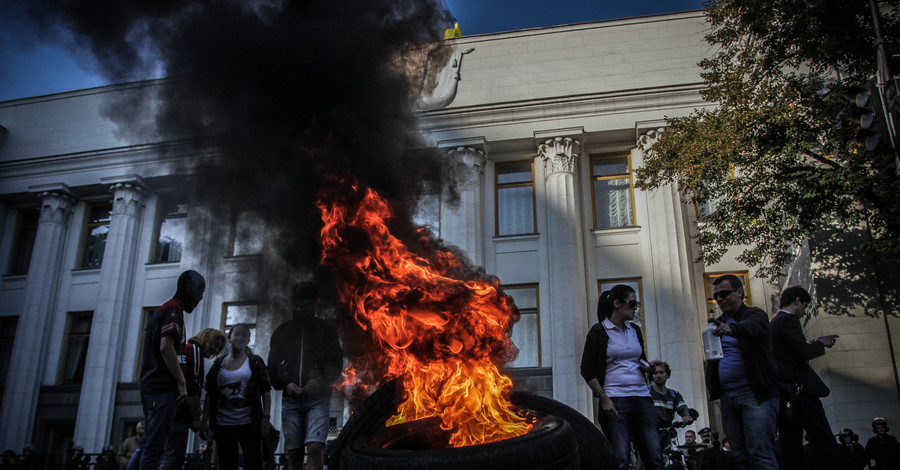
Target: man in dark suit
800, 386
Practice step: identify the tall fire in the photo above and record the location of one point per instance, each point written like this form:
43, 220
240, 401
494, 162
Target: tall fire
441, 335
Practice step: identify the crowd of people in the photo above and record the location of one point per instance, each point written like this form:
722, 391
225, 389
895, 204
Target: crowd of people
304, 361
770, 396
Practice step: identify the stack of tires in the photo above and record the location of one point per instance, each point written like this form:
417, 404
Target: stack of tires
561, 439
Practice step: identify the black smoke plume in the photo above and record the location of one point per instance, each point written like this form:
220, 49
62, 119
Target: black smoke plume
270, 96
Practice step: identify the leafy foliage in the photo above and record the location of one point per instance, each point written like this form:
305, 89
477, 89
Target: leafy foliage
777, 152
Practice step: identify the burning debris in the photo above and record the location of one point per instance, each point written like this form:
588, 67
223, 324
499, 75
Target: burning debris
439, 328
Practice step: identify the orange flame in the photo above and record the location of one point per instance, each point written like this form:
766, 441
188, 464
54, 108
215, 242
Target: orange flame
442, 335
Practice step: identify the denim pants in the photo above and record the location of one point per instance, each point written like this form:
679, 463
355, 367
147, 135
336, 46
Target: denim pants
176, 446
159, 413
750, 427
637, 422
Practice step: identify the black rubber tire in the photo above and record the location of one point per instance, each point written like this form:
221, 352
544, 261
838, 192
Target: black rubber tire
366, 420
549, 446
594, 449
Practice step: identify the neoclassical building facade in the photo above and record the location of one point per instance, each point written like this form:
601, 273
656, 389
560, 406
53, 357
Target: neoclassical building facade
546, 128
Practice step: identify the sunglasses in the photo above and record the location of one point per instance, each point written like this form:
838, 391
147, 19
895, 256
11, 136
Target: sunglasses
723, 293
633, 304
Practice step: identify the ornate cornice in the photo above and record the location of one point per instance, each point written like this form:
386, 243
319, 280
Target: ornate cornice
560, 154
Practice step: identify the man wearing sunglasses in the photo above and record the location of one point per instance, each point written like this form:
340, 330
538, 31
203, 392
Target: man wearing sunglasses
745, 378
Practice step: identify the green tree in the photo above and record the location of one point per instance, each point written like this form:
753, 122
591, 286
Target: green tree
776, 150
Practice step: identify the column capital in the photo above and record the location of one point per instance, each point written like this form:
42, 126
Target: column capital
55, 206
127, 198
649, 138
560, 154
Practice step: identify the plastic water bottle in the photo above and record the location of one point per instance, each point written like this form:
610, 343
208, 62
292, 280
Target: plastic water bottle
712, 344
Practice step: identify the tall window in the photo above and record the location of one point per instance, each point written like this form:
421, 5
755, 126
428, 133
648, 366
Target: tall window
712, 308
612, 191
95, 235
248, 234
77, 339
24, 244
526, 334
634, 283
241, 312
7, 337
145, 319
428, 213
515, 198
170, 226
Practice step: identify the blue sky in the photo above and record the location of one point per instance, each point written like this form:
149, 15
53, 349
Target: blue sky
30, 67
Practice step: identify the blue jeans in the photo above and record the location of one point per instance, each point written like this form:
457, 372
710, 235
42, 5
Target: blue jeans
750, 427
637, 421
159, 413
176, 446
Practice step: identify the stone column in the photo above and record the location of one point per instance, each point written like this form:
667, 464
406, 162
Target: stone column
101, 370
565, 250
676, 315
26, 367
462, 224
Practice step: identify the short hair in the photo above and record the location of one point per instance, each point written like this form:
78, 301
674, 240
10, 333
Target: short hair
691, 431
207, 337
789, 295
659, 363
733, 281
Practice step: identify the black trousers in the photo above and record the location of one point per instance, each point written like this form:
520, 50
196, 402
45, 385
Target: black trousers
249, 437
809, 416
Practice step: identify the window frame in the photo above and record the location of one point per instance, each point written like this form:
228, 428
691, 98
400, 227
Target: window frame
235, 218
708, 278
529, 311
595, 178
63, 364
11, 339
498, 186
147, 312
88, 227
14, 260
161, 217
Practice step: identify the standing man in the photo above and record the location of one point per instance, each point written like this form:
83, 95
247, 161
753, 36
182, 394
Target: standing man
667, 401
745, 379
162, 382
305, 359
800, 386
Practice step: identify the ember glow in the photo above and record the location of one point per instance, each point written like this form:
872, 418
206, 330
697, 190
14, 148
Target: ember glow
442, 335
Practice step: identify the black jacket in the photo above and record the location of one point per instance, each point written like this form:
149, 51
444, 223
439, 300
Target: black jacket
593, 358
792, 355
313, 340
751, 328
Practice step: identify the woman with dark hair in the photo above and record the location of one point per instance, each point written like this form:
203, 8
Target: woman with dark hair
613, 365
238, 403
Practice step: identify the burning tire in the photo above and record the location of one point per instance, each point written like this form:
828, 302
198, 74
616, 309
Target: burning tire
550, 445
593, 449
